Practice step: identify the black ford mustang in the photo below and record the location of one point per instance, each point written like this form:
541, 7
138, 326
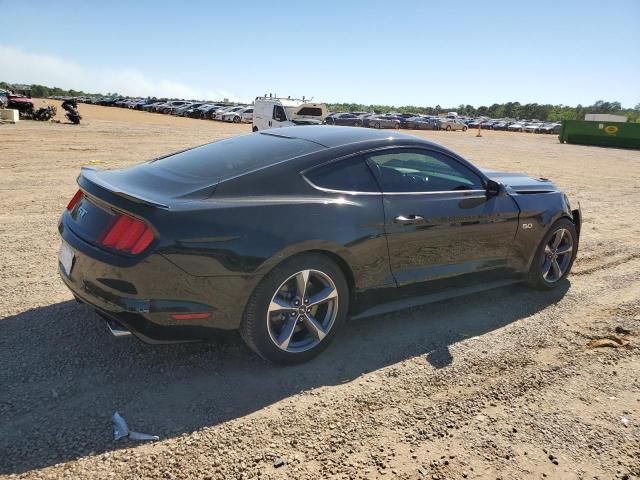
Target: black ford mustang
282, 234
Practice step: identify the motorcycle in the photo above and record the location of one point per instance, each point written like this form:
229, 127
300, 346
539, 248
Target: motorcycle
44, 114
71, 106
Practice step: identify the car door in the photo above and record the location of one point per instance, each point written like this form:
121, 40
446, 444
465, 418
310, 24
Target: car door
354, 203
439, 220
343, 119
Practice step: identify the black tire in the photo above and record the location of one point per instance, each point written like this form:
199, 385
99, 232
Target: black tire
464, 129
254, 129
376, 125
535, 277
254, 328
357, 124
236, 119
448, 128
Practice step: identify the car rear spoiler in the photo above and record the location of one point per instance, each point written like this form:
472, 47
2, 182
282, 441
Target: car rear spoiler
90, 175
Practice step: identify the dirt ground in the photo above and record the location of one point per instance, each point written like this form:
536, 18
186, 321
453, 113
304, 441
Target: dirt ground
500, 385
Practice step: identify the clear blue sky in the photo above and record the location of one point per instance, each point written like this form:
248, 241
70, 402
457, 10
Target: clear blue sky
388, 52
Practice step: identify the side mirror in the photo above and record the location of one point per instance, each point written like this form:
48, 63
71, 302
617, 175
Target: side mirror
494, 188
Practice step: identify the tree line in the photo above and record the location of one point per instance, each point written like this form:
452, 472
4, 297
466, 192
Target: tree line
516, 110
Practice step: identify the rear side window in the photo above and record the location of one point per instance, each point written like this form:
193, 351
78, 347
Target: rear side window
312, 111
233, 156
352, 175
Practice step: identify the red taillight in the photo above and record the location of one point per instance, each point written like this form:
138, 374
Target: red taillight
128, 234
76, 198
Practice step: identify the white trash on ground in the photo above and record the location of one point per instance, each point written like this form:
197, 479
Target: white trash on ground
121, 430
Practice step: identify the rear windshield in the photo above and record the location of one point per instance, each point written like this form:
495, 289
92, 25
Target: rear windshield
234, 156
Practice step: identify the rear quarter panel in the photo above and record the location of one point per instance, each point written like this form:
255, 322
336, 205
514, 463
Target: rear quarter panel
251, 235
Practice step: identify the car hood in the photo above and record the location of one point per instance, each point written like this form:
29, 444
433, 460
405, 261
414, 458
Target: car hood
521, 183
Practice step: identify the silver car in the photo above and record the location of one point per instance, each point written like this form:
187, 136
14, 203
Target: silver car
381, 121
451, 124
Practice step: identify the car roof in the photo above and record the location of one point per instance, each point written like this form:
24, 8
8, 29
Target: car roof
333, 136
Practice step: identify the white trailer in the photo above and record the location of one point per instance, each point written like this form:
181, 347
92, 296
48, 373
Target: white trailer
605, 117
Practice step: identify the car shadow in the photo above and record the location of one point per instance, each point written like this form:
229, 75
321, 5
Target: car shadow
62, 375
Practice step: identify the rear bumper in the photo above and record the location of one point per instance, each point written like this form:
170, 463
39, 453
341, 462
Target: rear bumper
148, 320
143, 297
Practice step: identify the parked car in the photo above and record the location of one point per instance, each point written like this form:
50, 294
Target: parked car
140, 103
285, 236
223, 111
244, 115
193, 110
451, 124
205, 111
488, 124
366, 119
19, 102
503, 125
273, 112
188, 107
169, 107
423, 123
516, 127
150, 107
551, 128
403, 118
381, 121
532, 127
344, 119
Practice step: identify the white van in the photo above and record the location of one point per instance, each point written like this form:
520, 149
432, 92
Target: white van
273, 112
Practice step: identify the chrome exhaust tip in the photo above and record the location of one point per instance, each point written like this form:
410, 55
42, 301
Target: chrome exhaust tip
116, 329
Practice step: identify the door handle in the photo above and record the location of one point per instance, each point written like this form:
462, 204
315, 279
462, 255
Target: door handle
408, 219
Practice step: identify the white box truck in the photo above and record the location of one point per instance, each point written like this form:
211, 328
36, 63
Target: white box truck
274, 112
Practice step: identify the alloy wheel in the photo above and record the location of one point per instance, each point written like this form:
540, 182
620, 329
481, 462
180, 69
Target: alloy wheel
557, 255
302, 311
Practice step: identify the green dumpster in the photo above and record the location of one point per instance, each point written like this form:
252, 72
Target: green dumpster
605, 134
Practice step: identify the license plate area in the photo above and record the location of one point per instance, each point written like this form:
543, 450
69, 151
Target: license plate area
65, 257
